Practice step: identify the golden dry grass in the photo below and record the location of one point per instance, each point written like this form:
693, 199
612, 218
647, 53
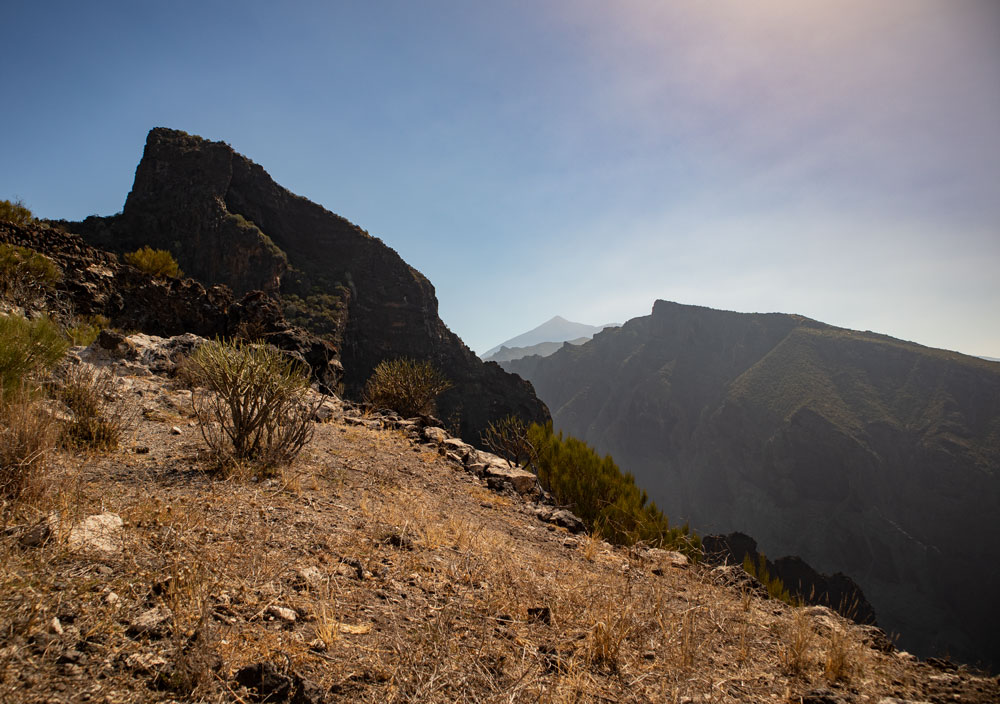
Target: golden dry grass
409, 581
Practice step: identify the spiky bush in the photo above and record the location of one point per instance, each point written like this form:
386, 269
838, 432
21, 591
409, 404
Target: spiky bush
25, 275
158, 263
28, 350
508, 438
408, 387
16, 212
250, 404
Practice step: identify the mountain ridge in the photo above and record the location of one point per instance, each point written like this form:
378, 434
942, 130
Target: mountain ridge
853, 450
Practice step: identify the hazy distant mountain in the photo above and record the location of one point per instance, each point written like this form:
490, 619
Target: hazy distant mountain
542, 349
557, 329
858, 452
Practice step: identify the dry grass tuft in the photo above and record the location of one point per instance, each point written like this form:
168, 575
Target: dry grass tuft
102, 416
27, 437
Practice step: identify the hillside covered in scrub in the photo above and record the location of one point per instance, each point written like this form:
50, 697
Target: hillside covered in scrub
388, 562
860, 453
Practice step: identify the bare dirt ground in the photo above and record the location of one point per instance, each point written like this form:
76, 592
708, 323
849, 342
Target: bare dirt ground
378, 570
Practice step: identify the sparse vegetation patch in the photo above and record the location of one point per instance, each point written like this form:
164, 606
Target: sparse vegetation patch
407, 386
25, 275
158, 263
602, 495
16, 212
28, 350
251, 405
100, 417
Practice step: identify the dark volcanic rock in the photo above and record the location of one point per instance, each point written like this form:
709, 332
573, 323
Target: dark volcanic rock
95, 283
860, 453
228, 222
838, 591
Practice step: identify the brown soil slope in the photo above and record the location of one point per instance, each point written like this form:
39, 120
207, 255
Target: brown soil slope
378, 570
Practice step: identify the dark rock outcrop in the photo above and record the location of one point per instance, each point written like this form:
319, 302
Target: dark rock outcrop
838, 591
860, 453
94, 282
228, 222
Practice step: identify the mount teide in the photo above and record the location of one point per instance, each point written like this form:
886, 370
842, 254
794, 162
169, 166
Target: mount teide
227, 222
859, 452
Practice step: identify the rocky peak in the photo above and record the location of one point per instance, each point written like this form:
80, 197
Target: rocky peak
228, 222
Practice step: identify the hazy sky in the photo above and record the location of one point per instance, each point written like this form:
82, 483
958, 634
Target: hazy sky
838, 159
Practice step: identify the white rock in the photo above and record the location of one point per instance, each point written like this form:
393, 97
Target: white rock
282, 613
101, 533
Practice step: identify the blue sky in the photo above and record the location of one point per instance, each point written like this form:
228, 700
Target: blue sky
838, 159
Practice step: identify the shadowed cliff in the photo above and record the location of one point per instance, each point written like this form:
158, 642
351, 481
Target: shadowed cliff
861, 453
227, 222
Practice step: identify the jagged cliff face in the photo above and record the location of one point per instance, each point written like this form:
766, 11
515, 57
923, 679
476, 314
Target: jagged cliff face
228, 222
860, 453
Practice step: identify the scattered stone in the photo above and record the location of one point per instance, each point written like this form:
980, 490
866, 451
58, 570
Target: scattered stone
560, 517
823, 695
71, 657
41, 532
540, 614
175, 430
398, 540
523, 481
282, 613
145, 663
100, 533
432, 434
151, 623
736, 577
267, 683
308, 578
55, 626
667, 558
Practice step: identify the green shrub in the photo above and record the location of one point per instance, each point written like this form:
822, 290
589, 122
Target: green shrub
26, 275
406, 386
158, 263
251, 405
28, 350
100, 416
86, 329
775, 587
15, 212
605, 498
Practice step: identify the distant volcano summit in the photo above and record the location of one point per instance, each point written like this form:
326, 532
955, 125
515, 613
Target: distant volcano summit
555, 330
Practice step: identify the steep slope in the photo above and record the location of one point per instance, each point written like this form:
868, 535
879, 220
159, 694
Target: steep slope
556, 329
229, 223
380, 570
862, 454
